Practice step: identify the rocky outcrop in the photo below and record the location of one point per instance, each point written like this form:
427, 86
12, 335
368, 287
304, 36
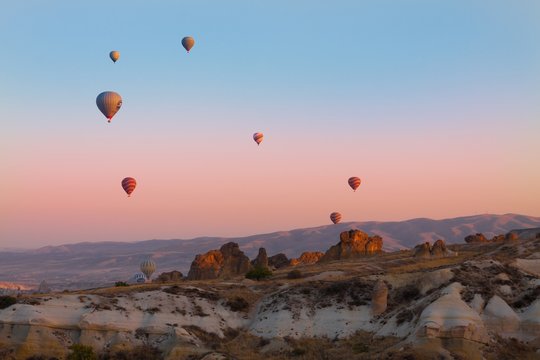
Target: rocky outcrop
476, 238
307, 258
438, 250
228, 261
353, 244
379, 298
171, 276
479, 238
278, 261
261, 260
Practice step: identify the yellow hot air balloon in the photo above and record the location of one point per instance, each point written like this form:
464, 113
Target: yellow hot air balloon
188, 43
147, 268
109, 102
114, 55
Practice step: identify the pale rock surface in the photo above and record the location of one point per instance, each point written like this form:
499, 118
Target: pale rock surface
433, 279
531, 266
379, 298
505, 290
477, 303
500, 317
449, 316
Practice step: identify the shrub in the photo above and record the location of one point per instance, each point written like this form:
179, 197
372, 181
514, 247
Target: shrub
238, 304
121, 283
142, 352
7, 301
81, 352
295, 274
259, 273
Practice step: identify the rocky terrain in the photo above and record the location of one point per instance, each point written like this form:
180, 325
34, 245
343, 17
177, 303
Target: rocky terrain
85, 265
481, 301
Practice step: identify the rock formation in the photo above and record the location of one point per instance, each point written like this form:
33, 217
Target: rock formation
479, 238
438, 250
228, 261
278, 261
476, 238
307, 258
353, 244
261, 260
379, 298
170, 276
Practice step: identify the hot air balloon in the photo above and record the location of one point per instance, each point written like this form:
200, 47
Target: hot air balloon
129, 184
258, 137
354, 182
148, 267
188, 43
138, 278
335, 217
109, 102
114, 55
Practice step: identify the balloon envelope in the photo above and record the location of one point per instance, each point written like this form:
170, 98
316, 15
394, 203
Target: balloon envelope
148, 267
354, 182
258, 137
129, 184
188, 43
335, 217
109, 102
114, 55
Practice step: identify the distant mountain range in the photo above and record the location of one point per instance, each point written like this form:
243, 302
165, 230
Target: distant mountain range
92, 264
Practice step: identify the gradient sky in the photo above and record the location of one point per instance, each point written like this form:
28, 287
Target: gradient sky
434, 104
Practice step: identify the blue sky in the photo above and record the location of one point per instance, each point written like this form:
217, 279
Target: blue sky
409, 94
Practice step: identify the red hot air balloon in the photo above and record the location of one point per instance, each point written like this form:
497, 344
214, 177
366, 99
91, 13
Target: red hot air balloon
335, 217
258, 137
354, 182
129, 184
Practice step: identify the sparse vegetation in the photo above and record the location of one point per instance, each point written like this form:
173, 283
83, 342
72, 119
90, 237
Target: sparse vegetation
238, 304
121, 283
81, 352
295, 274
7, 301
142, 352
259, 273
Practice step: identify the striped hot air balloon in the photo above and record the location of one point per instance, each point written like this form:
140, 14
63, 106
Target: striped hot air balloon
354, 182
148, 267
258, 137
129, 184
109, 102
335, 217
114, 55
188, 43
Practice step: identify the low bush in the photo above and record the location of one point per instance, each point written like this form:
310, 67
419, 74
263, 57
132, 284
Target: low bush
7, 301
121, 283
259, 273
81, 352
295, 274
238, 304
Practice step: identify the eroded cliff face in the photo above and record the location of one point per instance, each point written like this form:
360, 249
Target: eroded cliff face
228, 261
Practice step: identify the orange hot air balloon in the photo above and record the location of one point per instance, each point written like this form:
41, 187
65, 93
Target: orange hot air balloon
129, 184
354, 182
109, 102
258, 137
188, 43
335, 217
114, 55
